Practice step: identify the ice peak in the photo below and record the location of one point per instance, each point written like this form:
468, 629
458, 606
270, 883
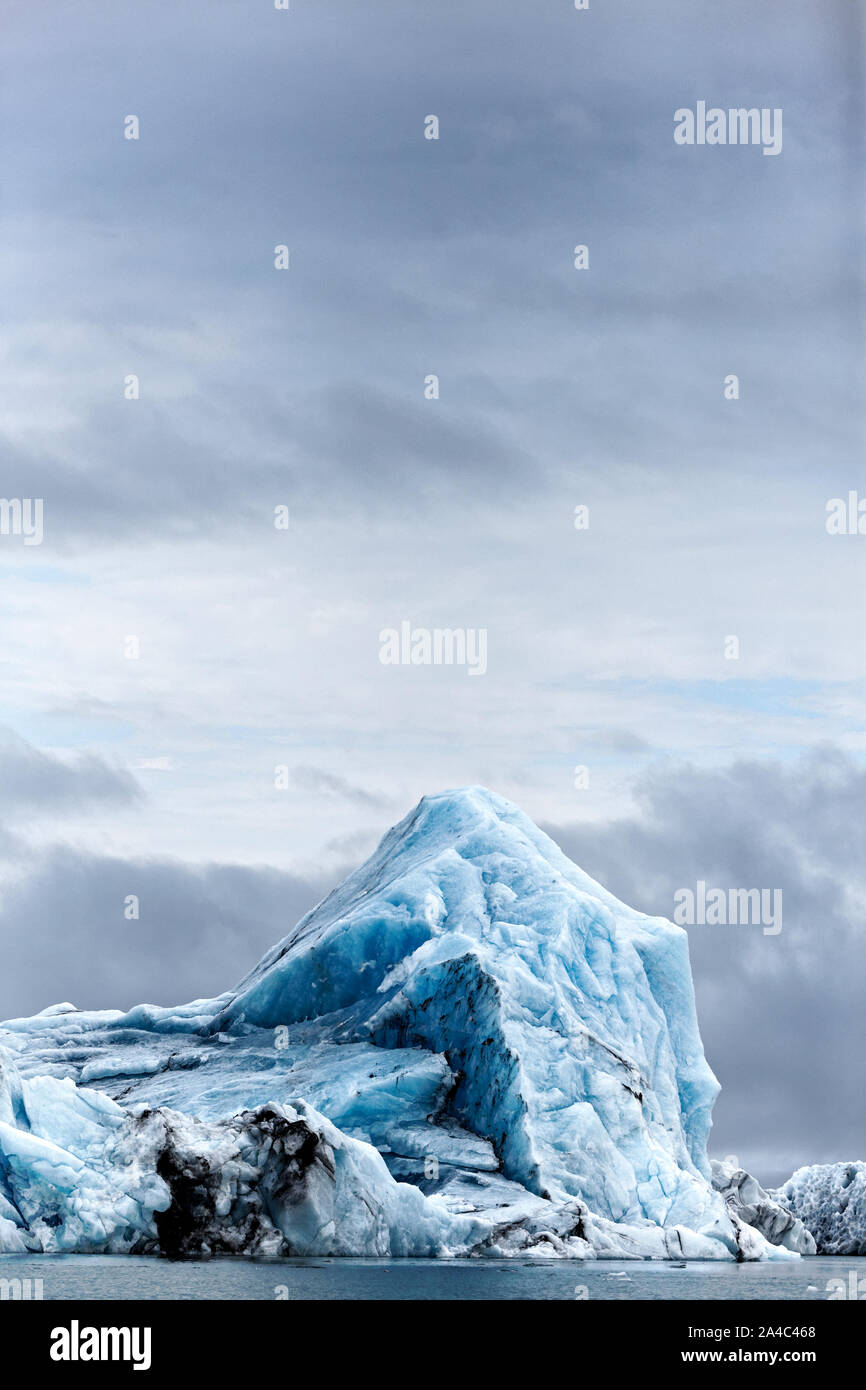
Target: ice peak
469, 933
450, 814
468, 992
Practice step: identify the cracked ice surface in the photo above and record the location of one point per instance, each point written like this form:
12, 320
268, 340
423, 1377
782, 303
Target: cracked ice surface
830, 1199
470, 1010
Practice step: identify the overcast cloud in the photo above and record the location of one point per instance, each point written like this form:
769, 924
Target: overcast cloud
166, 649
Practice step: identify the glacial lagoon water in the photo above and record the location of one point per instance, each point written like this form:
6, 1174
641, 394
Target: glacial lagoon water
124, 1277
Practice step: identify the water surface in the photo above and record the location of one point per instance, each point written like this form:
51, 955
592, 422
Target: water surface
121, 1277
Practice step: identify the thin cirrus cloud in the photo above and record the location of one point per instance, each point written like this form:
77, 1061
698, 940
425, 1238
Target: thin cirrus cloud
33, 781
318, 781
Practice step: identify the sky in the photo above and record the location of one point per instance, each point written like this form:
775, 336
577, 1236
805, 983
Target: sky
193, 705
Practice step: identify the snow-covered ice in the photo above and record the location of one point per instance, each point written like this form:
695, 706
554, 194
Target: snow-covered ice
492, 1052
830, 1199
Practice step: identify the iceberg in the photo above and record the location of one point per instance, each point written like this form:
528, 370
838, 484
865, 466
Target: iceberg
753, 1205
469, 1047
829, 1198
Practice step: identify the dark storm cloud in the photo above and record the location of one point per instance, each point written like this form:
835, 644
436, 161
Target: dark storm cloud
782, 1017
198, 931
